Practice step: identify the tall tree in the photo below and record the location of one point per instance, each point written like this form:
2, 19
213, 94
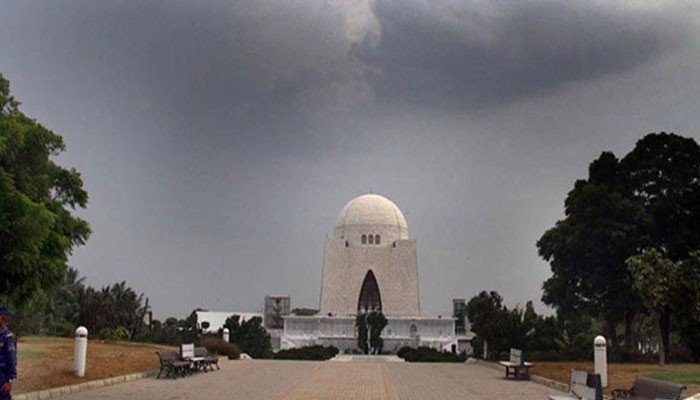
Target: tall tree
37, 197
376, 322
604, 225
362, 332
484, 313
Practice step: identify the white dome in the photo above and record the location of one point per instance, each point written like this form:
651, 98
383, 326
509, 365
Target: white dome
372, 211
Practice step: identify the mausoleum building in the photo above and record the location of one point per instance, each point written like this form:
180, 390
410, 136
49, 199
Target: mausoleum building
370, 264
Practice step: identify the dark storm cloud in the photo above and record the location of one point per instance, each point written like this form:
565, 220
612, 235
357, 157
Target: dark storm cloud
478, 54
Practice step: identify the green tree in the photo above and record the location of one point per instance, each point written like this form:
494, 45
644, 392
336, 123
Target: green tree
485, 312
37, 197
656, 283
649, 199
376, 322
250, 336
588, 248
255, 340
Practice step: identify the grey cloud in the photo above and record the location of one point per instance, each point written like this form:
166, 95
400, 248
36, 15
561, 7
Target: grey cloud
479, 54
219, 139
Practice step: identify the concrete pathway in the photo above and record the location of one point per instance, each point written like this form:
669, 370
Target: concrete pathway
353, 380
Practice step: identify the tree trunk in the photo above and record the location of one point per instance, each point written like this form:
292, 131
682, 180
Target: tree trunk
662, 354
664, 331
611, 333
629, 335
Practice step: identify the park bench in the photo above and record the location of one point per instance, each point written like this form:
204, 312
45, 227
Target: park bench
516, 366
645, 388
187, 353
171, 364
209, 360
582, 385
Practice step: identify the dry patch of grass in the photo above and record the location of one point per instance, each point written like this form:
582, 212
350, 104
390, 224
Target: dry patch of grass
621, 376
46, 362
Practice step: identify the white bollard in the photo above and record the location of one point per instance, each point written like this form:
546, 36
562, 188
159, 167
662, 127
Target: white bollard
600, 359
225, 335
80, 351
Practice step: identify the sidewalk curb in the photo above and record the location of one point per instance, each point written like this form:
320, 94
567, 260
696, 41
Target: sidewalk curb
535, 378
81, 387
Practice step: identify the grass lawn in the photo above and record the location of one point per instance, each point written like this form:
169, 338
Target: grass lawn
27, 354
687, 379
46, 362
621, 376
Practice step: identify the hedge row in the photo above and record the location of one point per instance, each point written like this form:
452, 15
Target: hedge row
426, 354
307, 353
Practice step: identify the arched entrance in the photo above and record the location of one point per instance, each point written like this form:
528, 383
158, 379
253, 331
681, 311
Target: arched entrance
370, 299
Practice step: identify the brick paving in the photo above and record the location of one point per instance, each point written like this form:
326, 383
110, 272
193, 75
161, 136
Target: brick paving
297, 380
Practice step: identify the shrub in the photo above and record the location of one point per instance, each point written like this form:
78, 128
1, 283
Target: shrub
426, 354
220, 347
319, 353
61, 328
120, 333
105, 334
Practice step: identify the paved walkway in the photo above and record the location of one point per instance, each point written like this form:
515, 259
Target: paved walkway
297, 380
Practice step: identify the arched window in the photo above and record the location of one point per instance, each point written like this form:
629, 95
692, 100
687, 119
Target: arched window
364, 239
377, 239
370, 298
371, 239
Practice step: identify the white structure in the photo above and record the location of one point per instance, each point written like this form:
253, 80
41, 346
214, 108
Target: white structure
216, 319
370, 264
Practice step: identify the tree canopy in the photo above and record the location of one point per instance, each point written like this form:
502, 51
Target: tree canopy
37, 200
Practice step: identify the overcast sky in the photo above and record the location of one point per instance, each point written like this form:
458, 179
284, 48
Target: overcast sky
218, 140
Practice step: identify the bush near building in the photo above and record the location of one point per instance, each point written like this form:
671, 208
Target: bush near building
221, 347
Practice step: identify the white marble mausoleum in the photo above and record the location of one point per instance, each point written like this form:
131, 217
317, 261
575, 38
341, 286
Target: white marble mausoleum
370, 264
